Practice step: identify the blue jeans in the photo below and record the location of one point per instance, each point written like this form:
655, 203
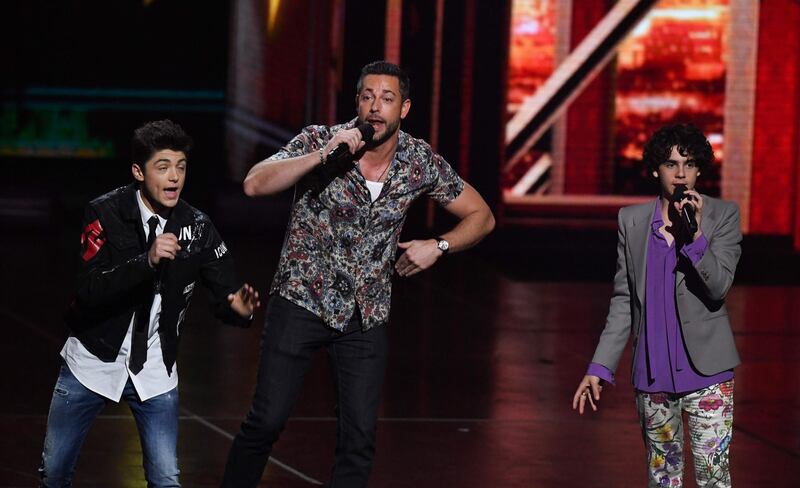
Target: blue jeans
291, 336
72, 412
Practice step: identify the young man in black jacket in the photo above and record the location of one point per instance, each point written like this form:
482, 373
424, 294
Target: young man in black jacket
142, 249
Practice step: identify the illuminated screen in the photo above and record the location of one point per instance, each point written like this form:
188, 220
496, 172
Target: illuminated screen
671, 69
531, 60
532, 50
57, 132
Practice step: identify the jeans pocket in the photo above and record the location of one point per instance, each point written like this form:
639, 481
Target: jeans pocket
65, 377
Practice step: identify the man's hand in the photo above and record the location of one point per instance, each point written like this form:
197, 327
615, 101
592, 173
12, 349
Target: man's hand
695, 202
419, 256
244, 301
164, 247
351, 137
588, 389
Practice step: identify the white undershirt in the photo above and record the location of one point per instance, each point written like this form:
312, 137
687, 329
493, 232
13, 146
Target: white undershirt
375, 188
108, 379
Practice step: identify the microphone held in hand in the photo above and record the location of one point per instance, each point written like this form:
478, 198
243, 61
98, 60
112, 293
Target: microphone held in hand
338, 163
687, 212
342, 152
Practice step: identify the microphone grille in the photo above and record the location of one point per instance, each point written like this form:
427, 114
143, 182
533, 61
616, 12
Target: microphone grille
678, 195
367, 131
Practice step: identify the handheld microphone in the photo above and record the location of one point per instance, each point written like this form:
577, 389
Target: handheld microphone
341, 153
687, 212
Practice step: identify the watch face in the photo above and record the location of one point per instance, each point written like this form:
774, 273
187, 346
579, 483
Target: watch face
443, 245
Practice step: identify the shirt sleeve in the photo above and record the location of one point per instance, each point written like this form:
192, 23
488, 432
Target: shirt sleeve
311, 139
695, 250
447, 185
601, 371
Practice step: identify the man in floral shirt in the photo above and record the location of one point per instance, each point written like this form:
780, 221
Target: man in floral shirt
333, 283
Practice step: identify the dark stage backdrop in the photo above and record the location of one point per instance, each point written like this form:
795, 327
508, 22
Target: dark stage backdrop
79, 76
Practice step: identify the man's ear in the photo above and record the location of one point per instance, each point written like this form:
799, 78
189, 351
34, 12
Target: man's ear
405, 108
137, 172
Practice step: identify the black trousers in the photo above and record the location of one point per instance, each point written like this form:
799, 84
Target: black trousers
290, 338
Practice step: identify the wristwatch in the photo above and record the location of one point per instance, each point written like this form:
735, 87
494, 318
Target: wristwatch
443, 245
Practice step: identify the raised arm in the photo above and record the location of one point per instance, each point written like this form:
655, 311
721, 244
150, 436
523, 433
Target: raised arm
275, 175
300, 156
718, 265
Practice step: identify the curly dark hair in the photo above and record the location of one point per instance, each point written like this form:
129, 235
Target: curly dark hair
156, 136
386, 68
689, 140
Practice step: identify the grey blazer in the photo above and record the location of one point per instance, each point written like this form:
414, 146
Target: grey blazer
699, 289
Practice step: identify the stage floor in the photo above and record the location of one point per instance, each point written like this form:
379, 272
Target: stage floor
482, 368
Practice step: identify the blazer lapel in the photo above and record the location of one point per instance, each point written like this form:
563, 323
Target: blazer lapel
638, 240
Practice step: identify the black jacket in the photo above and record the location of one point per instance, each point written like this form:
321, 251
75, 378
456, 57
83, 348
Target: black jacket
115, 279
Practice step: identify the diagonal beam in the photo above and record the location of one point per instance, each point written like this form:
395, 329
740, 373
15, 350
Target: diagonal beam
540, 111
533, 175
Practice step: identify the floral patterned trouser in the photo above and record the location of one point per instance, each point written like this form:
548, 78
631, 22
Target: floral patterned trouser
710, 416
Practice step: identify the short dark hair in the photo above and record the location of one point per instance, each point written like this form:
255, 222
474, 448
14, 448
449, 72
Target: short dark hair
689, 140
156, 136
386, 68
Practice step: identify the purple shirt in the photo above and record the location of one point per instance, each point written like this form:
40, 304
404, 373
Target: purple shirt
662, 363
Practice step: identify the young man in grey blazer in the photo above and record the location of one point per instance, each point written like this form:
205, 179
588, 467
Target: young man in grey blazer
676, 258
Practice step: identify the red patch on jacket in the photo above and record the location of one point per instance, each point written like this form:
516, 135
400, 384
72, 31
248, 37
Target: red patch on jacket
92, 240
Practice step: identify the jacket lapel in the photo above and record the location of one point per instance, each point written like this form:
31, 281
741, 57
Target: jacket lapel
638, 241
129, 211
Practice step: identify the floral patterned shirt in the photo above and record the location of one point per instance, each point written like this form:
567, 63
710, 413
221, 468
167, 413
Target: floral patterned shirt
340, 246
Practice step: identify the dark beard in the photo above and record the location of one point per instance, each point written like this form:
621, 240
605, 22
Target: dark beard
390, 131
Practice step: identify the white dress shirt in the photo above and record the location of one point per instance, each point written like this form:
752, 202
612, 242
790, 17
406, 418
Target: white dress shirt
109, 379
